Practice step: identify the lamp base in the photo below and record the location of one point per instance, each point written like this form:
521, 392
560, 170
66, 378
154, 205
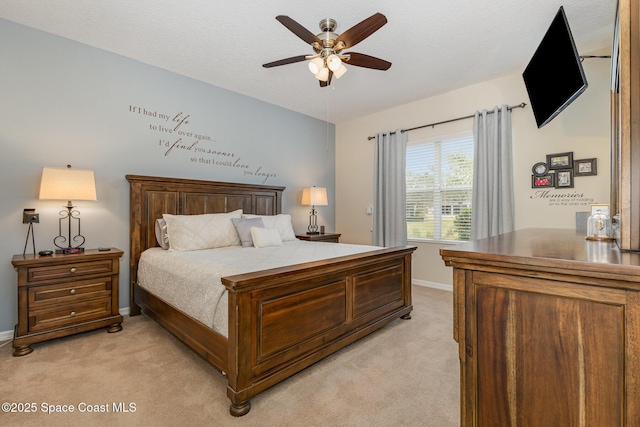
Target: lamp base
67, 251
313, 232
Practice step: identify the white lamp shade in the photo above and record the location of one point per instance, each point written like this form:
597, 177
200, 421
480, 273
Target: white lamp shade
67, 184
340, 71
316, 196
315, 65
323, 74
334, 62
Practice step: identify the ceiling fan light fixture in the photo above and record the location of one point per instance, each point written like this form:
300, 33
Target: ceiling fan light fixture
340, 71
328, 58
334, 62
315, 65
323, 74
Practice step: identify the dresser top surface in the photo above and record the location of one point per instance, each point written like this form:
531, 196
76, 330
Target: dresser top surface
88, 255
548, 247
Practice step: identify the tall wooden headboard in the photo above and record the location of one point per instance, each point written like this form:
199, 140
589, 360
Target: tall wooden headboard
151, 196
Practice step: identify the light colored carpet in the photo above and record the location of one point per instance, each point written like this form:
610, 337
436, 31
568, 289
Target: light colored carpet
406, 374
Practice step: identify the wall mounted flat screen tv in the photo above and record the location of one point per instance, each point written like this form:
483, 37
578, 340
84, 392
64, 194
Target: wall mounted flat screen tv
554, 77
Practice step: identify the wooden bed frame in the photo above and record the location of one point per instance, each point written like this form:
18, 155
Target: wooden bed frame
280, 320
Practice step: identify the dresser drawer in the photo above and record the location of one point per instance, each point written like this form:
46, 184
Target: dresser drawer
69, 270
57, 316
69, 292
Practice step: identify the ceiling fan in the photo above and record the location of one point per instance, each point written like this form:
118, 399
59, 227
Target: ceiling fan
329, 58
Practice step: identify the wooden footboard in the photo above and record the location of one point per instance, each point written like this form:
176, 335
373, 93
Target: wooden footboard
283, 320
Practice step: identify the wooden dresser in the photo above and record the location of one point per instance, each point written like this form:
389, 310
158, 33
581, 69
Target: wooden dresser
60, 295
548, 327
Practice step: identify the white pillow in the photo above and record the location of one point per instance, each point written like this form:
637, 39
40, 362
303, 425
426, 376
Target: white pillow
243, 226
206, 231
161, 233
263, 237
282, 222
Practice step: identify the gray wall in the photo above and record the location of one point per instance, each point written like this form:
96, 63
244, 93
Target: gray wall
63, 102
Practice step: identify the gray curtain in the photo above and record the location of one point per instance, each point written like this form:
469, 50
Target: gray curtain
390, 196
492, 201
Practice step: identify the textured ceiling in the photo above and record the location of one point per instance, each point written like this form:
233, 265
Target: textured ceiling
435, 46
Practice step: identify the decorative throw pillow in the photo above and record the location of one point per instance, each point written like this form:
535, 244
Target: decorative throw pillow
206, 231
282, 222
161, 233
263, 237
243, 227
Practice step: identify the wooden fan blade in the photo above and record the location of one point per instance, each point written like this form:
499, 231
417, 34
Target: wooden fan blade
285, 61
366, 61
361, 31
298, 30
328, 82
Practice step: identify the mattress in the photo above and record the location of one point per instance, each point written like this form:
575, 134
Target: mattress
191, 280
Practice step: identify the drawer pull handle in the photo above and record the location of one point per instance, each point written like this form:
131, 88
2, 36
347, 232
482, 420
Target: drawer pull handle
73, 269
72, 291
73, 313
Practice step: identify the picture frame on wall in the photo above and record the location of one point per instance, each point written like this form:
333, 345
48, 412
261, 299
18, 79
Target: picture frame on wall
564, 178
543, 181
585, 167
560, 160
540, 169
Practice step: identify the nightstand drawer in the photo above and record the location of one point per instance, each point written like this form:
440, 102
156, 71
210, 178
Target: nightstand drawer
56, 316
69, 292
69, 270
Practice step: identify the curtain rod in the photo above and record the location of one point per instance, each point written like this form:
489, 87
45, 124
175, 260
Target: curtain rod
521, 105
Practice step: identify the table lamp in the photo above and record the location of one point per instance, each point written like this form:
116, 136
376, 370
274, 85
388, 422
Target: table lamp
314, 196
68, 184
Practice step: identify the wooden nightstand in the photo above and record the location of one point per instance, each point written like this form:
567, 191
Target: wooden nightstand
60, 295
326, 237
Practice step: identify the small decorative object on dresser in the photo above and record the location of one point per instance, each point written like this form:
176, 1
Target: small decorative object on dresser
599, 227
60, 295
29, 216
328, 237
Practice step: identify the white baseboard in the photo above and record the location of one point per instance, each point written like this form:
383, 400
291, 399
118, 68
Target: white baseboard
432, 285
8, 335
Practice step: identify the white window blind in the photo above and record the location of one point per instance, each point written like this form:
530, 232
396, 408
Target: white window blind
439, 186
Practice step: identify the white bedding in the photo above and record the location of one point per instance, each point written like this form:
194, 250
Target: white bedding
190, 281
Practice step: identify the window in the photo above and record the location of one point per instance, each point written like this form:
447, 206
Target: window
439, 186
